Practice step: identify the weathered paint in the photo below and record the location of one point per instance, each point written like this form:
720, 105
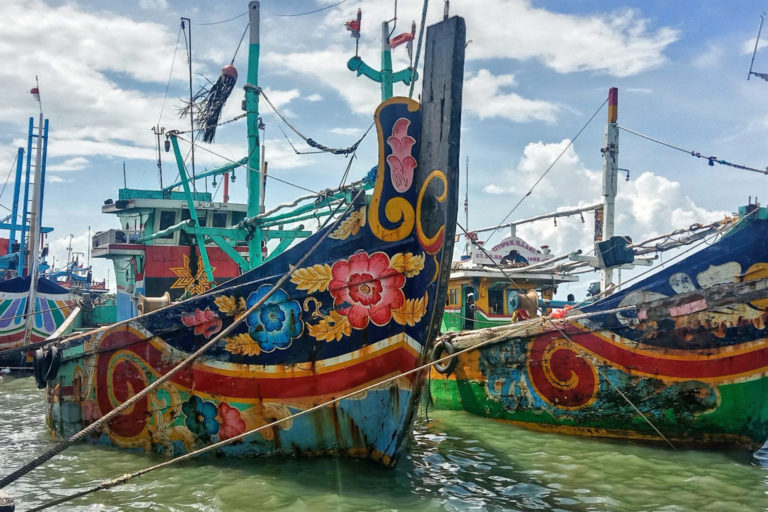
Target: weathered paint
362, 308
693, 357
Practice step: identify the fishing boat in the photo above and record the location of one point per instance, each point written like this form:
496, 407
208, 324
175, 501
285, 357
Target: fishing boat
678, 356
32, 307
313, 350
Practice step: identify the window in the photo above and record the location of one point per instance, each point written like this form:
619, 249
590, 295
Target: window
453, 296
167, 219
219, 220
237, 217
496, 301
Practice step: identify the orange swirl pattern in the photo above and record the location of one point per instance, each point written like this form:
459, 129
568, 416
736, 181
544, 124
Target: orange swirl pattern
560, 375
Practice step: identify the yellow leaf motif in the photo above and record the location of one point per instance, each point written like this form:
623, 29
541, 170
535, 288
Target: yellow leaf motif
331, 327
242, 344
350, 226
408, 264
316, 278
229, 305
411, 311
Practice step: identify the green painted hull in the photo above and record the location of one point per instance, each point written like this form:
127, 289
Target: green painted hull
681, 357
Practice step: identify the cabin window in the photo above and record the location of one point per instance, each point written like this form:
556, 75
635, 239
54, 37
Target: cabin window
496, 301
454, 296
219, 220
201, 216
167, 219
237, 217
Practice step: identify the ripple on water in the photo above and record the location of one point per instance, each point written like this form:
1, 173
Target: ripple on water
454, 462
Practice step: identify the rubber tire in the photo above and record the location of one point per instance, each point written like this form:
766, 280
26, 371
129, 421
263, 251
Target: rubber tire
447, 367
37, 368
52, 362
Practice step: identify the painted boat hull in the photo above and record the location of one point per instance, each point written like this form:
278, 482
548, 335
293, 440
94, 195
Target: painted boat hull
52, 306
689, 364
364, 307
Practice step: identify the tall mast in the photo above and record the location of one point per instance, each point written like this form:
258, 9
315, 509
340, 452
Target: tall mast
252, 110
610, 176
34, 222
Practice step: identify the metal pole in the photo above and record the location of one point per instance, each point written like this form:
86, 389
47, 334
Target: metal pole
42, 173
610, 176
191, 107
25, 208
252, 109
15, 206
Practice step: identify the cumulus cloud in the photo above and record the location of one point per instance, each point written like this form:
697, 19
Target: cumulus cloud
487, 98
646, 206
72, 164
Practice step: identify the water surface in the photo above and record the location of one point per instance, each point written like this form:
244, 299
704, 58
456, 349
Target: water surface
454, 462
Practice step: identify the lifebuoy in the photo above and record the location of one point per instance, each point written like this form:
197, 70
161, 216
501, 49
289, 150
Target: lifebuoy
51, 363
442, 349
37, 368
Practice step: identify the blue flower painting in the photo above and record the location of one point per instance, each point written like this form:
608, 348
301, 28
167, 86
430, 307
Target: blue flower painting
276, 322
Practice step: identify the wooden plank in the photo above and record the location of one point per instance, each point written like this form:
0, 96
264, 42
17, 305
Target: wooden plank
440, 133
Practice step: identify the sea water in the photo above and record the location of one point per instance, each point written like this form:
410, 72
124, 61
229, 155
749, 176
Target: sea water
454, 461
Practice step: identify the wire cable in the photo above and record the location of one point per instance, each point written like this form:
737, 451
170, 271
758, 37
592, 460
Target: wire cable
570, 143
712, 159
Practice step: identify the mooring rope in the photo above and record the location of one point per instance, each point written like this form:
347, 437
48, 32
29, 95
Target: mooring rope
176, 369
125, 478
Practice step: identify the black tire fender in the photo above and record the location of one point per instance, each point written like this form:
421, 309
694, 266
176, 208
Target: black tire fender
37, 368
51, 363
442, 349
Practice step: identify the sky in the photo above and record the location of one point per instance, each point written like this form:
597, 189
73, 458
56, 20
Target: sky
536, 71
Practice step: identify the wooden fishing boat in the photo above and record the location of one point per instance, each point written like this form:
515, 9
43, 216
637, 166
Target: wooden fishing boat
680, 356
353, 307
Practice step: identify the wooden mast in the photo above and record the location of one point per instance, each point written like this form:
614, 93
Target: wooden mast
610, 177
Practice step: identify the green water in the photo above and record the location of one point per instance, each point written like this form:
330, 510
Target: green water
453, 462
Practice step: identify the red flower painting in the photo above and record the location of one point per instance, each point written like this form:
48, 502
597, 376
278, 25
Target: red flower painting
231, 423
206, 323
366, 287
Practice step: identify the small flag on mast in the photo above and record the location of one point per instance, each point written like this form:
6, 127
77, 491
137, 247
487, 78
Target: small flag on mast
35, 93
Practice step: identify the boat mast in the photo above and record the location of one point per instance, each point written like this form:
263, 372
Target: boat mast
610, 177
252, 111
466, 209
34, 222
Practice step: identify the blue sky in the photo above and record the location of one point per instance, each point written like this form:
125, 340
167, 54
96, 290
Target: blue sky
535, 73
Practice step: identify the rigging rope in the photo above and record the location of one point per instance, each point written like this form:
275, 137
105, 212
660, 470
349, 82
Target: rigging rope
7, 178
170, 74
222, 21
570, 143
310, 12
309, 141
712, 159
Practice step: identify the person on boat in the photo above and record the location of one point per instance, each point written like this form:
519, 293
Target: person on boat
469, 320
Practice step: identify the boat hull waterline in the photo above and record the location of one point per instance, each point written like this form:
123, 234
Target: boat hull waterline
357, 312
688, 365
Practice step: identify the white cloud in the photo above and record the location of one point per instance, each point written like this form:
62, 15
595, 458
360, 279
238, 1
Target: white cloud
484, 96
153, 5
314, 97
494, 189
618, 43
72, 164
646, 206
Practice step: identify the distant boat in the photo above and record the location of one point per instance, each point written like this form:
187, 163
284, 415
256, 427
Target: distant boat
679, 357
352, 308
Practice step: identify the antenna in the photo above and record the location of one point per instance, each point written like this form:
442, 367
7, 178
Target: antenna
764, 76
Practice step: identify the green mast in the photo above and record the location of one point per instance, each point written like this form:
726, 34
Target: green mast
386, 77
252, 110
